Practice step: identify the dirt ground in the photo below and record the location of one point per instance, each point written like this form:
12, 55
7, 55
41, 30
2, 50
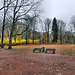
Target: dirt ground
29, 63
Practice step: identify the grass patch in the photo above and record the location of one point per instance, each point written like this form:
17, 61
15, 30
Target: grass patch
68, 52
17, 48
61, 49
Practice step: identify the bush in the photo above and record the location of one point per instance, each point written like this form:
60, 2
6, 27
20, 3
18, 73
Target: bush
36, 41
6, 41
0, 41
22, 41
30, 41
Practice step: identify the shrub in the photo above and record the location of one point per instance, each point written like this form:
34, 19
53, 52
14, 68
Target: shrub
30, 41
21, 41
0, 41
36, 41
6, 41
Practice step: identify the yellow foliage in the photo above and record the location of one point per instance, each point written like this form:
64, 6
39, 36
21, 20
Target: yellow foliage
23, 41
0, 41
36, 41
6, 41
30, 41
13, 42
17, 41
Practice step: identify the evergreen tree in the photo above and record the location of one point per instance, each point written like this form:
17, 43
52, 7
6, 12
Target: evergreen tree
55, 30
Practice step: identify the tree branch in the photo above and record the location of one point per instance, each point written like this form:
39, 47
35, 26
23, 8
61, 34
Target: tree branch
22, 31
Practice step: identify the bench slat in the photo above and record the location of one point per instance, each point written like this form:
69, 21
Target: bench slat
50, 50
37, 49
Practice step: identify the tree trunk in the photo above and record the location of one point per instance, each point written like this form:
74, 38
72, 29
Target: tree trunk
48, 37
26, 37
10, 41
74, 40
15, 39
61, 39
33, 37
2, 46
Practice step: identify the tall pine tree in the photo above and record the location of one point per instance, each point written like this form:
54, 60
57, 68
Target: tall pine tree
55, 30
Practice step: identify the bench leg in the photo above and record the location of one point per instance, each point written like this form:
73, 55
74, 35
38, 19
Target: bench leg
39, 50
33, 50
45, 51
53, 52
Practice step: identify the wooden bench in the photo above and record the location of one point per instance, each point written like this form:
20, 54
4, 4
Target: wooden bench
50, 50
37, 49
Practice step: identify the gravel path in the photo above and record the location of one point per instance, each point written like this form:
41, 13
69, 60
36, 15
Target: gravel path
28, 63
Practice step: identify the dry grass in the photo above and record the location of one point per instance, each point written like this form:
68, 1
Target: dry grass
65, 49
68, 52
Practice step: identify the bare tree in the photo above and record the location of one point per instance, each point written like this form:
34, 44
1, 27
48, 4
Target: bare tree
33, 29
73, 21
27, 25
61, 29
42, 29
6, 4
47, 27
73, 24
19, 9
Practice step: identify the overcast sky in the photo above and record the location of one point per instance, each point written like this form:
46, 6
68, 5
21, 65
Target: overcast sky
61, 9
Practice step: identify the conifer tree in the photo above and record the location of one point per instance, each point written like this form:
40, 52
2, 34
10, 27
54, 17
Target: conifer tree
55, 30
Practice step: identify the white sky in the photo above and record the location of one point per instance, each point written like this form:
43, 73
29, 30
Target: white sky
61, 9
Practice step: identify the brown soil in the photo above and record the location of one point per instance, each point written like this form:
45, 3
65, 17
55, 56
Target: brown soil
29, 63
